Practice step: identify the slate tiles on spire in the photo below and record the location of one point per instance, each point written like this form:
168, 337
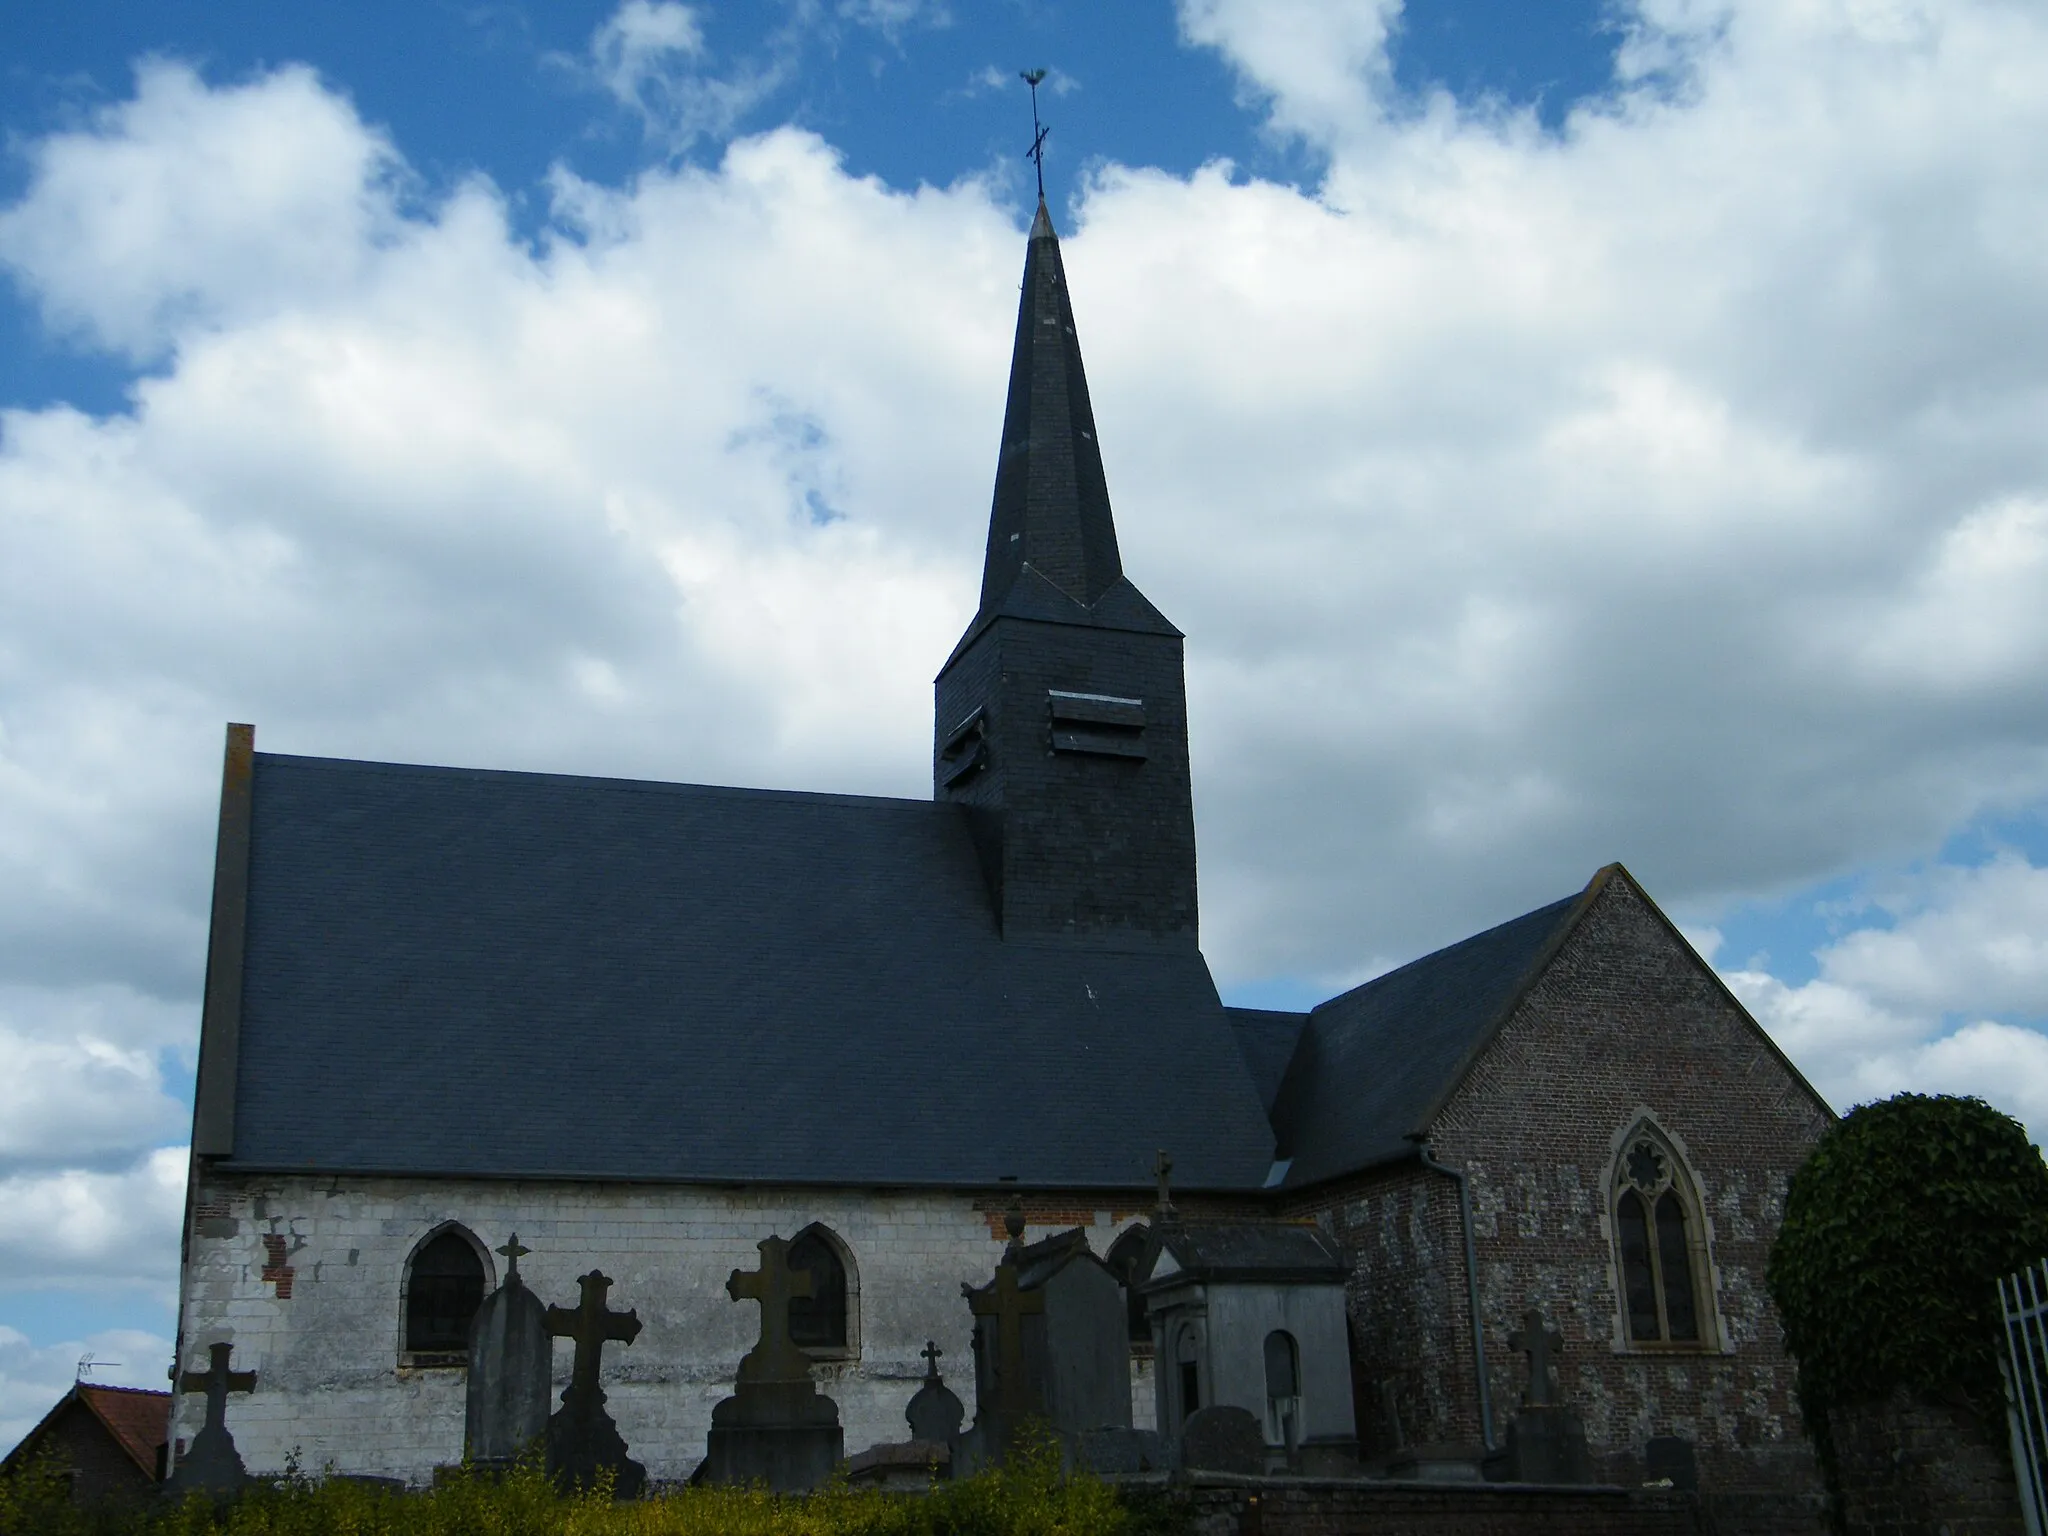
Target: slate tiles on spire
1051, 512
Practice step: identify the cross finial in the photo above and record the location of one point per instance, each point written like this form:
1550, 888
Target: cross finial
1013, 1223
1036, 154
513, 1251
931, 1353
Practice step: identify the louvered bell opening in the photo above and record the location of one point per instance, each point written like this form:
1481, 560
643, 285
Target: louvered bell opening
1097, 724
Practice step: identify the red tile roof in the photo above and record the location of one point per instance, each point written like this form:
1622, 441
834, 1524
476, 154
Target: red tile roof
139, 1419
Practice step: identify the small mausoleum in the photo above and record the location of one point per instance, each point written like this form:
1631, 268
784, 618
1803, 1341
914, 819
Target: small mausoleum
1251, 1315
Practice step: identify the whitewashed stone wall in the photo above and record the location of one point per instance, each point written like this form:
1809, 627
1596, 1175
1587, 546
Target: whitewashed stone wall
325, 1340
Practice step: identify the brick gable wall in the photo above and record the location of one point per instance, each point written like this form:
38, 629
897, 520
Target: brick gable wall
1623, 1019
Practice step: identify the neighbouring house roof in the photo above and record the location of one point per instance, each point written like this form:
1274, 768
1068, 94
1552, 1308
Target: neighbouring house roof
137, 1419
515, 975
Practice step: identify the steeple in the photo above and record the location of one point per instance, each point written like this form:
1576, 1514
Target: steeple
1062, 713
1052, 501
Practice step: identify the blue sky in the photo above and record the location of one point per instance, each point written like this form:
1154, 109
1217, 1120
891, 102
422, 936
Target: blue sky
1566, 433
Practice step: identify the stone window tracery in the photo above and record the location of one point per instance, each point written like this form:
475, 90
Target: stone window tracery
1660, 1246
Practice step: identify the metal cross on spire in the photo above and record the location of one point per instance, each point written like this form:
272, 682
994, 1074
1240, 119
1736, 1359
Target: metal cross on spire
1036, 154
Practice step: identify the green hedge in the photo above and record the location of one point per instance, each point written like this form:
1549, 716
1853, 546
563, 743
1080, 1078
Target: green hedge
1028, 1498
1896, 1229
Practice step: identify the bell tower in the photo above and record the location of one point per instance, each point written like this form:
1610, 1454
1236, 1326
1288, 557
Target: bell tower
1062, 713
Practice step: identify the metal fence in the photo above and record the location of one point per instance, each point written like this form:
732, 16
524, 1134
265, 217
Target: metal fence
2023, 1300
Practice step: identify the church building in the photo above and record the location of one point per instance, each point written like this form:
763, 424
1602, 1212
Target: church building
455, 1013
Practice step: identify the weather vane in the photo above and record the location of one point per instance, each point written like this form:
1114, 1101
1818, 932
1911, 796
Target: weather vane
1036, 155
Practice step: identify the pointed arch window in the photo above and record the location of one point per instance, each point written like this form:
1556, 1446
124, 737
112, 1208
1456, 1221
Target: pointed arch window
1122, 1261
824, 1324
445, 1282
1660, 1246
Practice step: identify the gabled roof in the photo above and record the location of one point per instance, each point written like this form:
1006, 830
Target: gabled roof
1371, 1065
1269, 1252
517, 975
137, 1419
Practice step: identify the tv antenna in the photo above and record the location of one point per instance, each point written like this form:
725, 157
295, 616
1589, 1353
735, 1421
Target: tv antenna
87, 1365
1036, 154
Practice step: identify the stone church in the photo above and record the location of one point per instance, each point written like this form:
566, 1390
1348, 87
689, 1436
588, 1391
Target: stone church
644, 1026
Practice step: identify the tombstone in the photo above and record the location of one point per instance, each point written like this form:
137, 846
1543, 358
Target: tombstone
1546, 1440
776, 1428
511, 1368
1052, 1344
212, 1465
935, 1414
582, 1440
1223, 1438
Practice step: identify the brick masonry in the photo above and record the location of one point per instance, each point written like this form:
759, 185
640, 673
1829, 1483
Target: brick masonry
305, 1277
1624, 1022
1909, 1465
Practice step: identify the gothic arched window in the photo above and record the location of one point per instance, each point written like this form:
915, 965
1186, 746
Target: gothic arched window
822, 1323
1661, 1244
1122, 1261
444, 1285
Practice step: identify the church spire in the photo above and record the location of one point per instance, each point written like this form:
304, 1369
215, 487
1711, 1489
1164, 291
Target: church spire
1051, 508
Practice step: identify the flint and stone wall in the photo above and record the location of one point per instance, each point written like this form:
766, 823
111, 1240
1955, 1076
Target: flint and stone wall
1622, 1022
304, 1276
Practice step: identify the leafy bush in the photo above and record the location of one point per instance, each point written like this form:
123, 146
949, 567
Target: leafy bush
1030, 1497
1895, 1230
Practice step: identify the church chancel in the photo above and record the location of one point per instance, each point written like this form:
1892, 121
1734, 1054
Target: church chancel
681, 1016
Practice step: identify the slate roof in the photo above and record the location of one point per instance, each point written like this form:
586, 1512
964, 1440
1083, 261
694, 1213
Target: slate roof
1267, 1039
455, 972
1371, 1064
1269, 1251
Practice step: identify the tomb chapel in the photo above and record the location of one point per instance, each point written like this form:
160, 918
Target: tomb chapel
645, 1026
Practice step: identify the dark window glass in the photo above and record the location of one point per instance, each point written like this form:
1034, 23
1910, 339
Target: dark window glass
1282, 1377
1638, 1280
441, 1298
818, 1321
1190, 1375
1122, 1260
1674, 1260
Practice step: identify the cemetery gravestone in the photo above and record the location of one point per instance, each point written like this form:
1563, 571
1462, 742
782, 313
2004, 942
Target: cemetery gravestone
213, 1465
511, 1361
1223, 1438
582, 1440
776, 1428
1546, 1440
935, 1414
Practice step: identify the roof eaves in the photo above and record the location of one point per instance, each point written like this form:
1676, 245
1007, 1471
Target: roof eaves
143, 1457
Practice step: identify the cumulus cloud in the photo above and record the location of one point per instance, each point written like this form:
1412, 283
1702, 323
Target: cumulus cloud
80, 1230
1942, 987
33, 1379
82, 1073
1667, 488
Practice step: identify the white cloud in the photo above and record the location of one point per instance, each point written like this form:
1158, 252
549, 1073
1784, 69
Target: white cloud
1901, 1004
185, 207
650, 55
33, 1378
83, 1231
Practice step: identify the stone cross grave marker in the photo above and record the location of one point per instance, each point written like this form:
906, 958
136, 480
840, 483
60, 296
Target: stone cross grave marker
773, 1285
511, 1368
213, 1463
1538, 1342
934, 1414
1009, 1306
513, 1251
582, 1439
